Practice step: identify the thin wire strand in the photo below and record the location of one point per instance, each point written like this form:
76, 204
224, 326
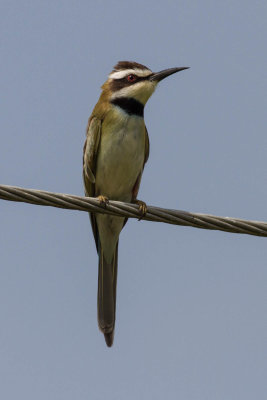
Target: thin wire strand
91, 204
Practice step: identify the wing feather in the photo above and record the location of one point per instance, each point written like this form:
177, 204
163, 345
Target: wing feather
90, 150
90, 155
138, 180
147, 146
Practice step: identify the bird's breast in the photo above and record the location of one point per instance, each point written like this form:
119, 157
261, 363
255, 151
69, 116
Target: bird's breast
121, 155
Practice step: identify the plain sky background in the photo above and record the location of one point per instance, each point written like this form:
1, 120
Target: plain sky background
191, 310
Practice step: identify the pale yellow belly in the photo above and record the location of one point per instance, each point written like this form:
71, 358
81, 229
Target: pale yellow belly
120, 160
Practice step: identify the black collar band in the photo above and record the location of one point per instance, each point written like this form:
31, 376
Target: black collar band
129, 105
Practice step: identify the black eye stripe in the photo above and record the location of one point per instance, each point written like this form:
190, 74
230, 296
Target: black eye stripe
117, 84
137, 78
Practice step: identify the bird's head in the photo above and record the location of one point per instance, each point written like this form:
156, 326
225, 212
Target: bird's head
134, 81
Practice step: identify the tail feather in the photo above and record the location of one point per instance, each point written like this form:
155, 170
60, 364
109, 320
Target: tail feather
106, 299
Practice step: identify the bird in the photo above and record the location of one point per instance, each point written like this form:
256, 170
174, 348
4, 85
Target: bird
114, 155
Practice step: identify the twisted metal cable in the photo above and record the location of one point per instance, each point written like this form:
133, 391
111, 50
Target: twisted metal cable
91, 204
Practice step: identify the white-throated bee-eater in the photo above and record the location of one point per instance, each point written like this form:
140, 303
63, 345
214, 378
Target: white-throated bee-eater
115, 152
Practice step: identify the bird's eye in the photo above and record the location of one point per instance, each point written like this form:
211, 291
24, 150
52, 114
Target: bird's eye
131, 78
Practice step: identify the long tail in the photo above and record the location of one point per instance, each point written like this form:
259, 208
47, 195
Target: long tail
106, 299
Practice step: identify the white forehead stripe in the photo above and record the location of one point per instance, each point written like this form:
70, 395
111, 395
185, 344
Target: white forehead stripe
123, 73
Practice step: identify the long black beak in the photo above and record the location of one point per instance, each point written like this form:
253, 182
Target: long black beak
158, 76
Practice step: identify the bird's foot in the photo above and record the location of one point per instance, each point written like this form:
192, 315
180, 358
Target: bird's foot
142, 208
103, 200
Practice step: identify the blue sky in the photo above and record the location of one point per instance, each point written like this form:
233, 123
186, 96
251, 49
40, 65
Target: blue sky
191, 309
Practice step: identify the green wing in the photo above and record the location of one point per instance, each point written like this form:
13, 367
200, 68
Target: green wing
90, 150
90, 155
146, 146
138, 181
